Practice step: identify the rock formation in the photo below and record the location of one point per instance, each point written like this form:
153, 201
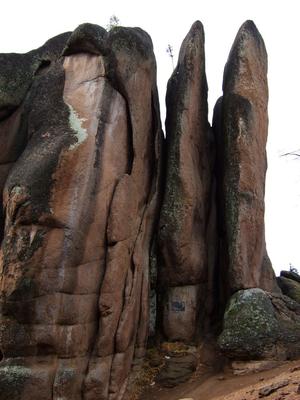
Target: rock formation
80, 205
261, 325
111, 233
17, 72
289, 283
257, 323
241, 125
183, 236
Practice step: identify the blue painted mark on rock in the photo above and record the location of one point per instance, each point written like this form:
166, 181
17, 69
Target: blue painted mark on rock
178, 306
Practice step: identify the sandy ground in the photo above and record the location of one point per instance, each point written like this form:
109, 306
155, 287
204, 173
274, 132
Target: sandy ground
227, 386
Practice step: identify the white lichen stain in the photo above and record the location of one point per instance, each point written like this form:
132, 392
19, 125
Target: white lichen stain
76, 125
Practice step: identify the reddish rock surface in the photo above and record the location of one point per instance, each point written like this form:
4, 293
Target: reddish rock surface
241, 123
80, 206
183, 228
106, 236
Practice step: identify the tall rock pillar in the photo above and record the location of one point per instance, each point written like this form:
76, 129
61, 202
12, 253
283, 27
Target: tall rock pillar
241, 125
187, 203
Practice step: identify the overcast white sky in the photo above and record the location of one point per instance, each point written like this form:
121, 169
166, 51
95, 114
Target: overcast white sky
27, 24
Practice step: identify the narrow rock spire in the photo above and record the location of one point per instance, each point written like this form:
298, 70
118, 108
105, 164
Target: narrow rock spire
183, 227
241, 126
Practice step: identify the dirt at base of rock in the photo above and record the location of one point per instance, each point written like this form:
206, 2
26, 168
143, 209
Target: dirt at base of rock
232, 387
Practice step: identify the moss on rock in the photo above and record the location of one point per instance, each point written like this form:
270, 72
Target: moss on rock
88, 38
260, 325
17, 71
12, 381
250, 325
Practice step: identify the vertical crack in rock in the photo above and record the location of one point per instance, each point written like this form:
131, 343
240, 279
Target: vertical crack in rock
182, 237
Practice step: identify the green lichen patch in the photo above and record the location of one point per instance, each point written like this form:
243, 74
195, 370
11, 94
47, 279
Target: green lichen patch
76, 125
12, 381
131, 41
18, 71
87, 38
250, 325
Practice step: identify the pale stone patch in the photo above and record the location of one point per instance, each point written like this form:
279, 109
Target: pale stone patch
76, 125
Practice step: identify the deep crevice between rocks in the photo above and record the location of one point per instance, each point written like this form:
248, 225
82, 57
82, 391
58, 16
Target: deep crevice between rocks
6, 112
130, 139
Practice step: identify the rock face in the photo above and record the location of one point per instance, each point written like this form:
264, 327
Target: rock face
241, 125
109, 233
260, 325
291, 275
80, 205
183, 236
289, 287
17, 72
257, 323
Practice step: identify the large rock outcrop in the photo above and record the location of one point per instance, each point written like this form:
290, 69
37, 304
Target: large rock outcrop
183, 237
80, 206
241, 125
259, 321
109, 233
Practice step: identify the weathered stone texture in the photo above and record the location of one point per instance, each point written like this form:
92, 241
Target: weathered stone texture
183, 226
109, 233
290, 287
260, 325
80, 205
17, 73
241, 125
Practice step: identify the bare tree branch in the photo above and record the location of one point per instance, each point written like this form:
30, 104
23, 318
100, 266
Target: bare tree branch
292, 153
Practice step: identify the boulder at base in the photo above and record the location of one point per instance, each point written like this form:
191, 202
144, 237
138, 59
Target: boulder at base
259, 325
